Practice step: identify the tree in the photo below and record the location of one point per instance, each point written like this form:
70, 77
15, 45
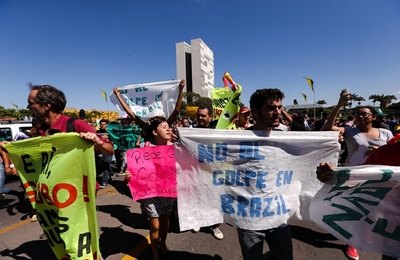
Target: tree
357, 98
387, 100
384, 100
374, 98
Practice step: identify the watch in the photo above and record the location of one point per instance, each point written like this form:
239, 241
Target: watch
12, 165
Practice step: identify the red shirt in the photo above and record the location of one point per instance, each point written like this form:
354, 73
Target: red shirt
388, 154
80, 125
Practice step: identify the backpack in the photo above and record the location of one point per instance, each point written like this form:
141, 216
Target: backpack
70, 125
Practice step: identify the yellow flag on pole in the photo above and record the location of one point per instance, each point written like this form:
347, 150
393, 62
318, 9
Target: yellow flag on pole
310, 83
305, 97
104, 95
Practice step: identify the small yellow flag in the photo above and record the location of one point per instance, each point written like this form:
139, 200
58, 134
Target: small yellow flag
305, 97
310, 83
104, 95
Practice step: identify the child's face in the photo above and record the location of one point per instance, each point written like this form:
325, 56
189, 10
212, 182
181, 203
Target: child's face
163, 131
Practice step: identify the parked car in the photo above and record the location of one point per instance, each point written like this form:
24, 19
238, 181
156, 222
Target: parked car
9, 132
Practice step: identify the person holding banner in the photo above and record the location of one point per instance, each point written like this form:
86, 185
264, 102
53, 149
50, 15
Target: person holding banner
7, 167
384, 155
157, 209
47, 103
361, 139
266, 108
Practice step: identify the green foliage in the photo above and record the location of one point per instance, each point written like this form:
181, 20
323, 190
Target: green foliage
384, 100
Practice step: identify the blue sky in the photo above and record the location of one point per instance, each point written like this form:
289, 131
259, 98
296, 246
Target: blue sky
81, 46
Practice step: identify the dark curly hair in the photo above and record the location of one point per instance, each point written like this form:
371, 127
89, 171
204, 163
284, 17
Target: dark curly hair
261, 96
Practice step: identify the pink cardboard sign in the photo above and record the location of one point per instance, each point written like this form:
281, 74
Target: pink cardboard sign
153, 172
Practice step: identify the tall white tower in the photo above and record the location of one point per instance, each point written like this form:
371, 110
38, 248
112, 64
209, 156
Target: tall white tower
195, 64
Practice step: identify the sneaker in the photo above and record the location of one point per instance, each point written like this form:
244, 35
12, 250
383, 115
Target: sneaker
43, 236
2, 196
351, 252
102, 186
34, 218
217, 233
196, 229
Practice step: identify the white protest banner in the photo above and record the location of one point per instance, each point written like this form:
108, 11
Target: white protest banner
149, 99
361, 207
258, 179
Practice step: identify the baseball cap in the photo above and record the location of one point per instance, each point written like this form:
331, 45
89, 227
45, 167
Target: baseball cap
379, 112
244, 110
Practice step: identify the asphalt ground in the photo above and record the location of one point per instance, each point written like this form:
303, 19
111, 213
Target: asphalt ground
124, 233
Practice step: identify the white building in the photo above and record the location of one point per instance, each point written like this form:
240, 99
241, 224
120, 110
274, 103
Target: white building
195, 64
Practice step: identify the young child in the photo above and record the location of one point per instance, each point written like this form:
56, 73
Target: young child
157, 209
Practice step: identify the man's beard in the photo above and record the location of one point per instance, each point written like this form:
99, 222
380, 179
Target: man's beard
40, 119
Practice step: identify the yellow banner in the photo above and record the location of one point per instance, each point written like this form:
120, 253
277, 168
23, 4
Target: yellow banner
58, 174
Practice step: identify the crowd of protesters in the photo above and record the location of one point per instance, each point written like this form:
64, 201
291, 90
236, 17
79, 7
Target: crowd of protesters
363, 129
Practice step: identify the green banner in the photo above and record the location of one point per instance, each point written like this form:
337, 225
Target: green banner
58, 174
124, 137
230, 110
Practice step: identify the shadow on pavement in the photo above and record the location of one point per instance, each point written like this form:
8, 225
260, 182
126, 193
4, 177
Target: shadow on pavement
121, 187
116, 240
38, 249
125, 216
176, 255
314, 238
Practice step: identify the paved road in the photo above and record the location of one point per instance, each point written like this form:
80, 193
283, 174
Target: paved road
124, 234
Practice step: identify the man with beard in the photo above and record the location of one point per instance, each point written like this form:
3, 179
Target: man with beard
266, 108
47, 103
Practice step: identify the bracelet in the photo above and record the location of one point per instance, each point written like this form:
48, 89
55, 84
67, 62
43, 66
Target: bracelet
12, 166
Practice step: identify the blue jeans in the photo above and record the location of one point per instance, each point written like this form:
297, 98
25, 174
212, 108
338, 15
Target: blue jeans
279, 241
106, 168
3, 189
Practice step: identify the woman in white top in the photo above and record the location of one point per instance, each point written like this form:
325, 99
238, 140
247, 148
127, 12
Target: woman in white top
361, 138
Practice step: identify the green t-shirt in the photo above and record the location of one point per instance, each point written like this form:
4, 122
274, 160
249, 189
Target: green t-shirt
123, 137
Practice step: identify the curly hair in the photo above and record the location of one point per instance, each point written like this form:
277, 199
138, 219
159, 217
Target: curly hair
260, 96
